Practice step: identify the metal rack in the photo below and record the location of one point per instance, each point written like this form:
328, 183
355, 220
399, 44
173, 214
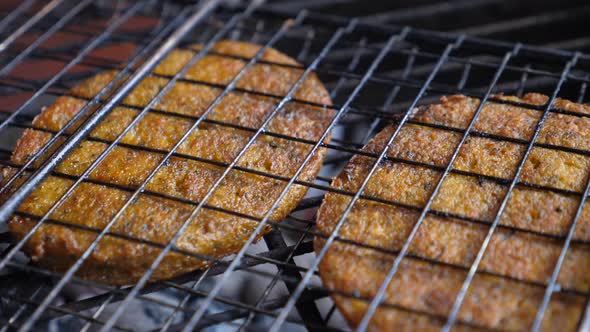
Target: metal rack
375, 74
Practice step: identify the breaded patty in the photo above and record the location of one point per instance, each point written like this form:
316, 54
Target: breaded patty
212, 233
420, 283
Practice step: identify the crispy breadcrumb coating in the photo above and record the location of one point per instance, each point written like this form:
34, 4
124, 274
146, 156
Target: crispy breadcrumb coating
212, 233
423, 285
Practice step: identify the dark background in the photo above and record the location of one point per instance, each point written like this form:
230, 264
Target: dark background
562, 24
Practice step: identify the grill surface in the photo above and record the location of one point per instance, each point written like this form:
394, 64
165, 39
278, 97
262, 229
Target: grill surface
376, 69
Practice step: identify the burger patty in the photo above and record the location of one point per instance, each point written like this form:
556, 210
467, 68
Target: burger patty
213, 233
429, 278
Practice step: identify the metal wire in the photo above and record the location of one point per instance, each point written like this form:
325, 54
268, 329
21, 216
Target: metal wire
275, 240
193, 20
551, 287
32, 21
383, 288
463, 291
234, 162
390, 43
363, 58
86, 49
168, 247
8, 19
332, 41
40, 171
312, 185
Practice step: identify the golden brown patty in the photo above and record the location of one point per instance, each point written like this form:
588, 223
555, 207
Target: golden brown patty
425, 286
216, 234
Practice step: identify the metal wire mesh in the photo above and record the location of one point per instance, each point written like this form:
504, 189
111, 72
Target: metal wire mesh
375, 74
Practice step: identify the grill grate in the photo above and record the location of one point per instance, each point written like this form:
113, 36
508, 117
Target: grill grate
375, 74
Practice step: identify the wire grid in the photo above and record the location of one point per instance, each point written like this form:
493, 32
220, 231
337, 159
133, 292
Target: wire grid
375, 75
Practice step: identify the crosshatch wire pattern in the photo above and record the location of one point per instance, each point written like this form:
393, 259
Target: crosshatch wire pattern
375, 75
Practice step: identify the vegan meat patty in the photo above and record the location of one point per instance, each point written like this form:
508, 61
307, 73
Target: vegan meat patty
212, 233
424, 288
